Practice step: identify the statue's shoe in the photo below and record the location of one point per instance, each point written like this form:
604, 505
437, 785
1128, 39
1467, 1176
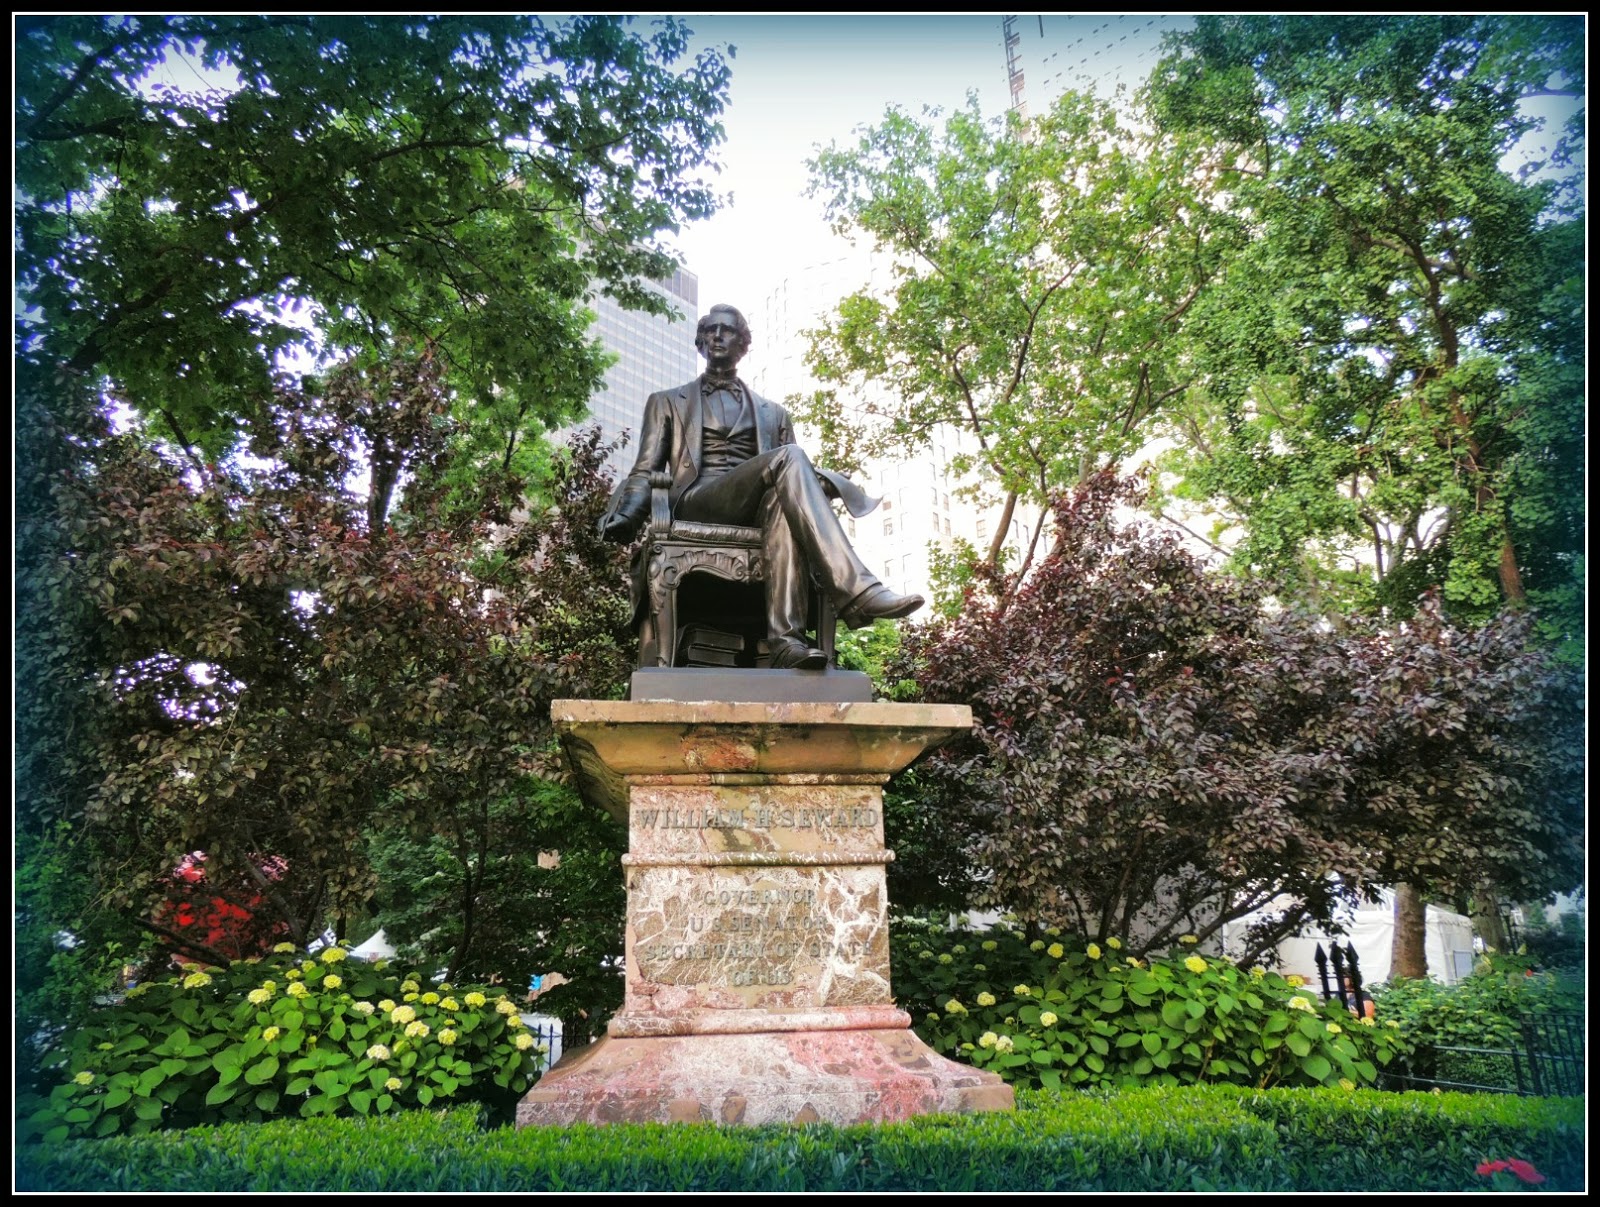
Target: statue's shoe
792, 654
877, 602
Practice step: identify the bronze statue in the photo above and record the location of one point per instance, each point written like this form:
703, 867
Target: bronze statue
732, 460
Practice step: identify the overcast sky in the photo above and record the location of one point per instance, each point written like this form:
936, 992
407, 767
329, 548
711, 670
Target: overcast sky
801, 82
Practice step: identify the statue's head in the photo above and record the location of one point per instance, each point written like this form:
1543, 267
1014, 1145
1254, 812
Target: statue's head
723, 317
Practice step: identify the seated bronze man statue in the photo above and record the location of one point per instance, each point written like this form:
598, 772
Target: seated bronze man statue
733, 460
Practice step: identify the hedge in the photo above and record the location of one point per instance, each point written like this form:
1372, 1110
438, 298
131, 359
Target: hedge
1189, 1138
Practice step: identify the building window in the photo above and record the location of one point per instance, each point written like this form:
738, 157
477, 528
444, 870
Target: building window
888, 525
983, 530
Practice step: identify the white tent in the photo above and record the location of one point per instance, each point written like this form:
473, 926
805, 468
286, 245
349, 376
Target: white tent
1370, 930
375, 948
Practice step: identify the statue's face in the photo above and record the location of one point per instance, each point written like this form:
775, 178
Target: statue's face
720, 340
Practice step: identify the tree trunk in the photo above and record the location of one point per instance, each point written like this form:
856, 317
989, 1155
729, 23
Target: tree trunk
1410, 955
1486, 920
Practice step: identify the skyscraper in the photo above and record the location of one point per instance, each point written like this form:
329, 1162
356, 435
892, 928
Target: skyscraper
653, 353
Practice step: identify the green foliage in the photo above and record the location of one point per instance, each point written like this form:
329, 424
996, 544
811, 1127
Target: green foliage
547, 898
1042, 269
1154, 1140
282, 1036
371, 179
1058, 1012
1390, 372
1485, 1010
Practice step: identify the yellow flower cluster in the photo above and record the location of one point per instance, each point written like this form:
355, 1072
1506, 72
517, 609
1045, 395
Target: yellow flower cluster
416, 1030
363, 1008
1190, 939
945, 957
1258, 972
1003, 1044
1392, 1023
1047, 1019
334, 954
196, 980
332, 981
283, 948
986, 1040
392, 1084
402, 1014
449, 1003
409, 987
270, 1034
444, 986
386, 1005
523, 1042
1346, 1084
1052, 931
258, 997
990, 945
377, 1052
447, 1037
1092, 951
430, 999
1366, 1022
297, 989
1114, 943
1195, 964
1335, 1029
474, 1000
1036, 945
410, 997
985, 999
294, 974
1021, 991
505, 1006
1055, 951
1133, 963
953, 1007
84, 1078
1294, 980
1299, 1003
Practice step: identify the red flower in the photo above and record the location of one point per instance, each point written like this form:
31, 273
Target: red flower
1522, 1169
1525, 1171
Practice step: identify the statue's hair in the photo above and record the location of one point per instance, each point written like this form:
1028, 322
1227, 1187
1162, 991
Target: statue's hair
740, 325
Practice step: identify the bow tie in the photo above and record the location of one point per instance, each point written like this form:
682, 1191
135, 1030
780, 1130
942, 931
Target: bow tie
711, 384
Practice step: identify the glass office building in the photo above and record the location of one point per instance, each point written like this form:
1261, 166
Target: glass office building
653, 353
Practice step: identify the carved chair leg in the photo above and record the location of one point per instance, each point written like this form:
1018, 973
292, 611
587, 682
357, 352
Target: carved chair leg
667, 629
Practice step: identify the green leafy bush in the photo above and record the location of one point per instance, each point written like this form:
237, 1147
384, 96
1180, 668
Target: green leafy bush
1057, 1012
1184, 1138
1485, 1010
282, 1035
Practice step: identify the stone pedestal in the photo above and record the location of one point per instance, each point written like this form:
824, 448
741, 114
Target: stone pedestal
757, 943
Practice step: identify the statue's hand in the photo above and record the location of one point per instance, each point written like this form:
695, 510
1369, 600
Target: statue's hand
618, 528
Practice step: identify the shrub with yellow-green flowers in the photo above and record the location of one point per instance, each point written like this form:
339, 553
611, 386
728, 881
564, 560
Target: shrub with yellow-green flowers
1058, 1014
224, 1045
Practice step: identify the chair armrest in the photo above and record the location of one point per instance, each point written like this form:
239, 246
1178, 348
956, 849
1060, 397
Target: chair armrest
660, 504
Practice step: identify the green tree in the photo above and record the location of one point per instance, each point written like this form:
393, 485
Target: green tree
1042, 270
1390, 373
196, 195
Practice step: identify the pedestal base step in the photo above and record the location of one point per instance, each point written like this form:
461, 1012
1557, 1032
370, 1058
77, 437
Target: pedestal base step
771, 1077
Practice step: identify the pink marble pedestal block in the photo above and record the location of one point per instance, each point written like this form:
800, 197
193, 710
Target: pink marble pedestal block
757, 945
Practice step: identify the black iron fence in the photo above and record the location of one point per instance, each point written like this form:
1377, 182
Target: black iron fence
1549, 1062
1346, 977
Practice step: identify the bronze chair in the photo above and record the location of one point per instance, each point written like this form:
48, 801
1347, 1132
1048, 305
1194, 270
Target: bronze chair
676, 550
